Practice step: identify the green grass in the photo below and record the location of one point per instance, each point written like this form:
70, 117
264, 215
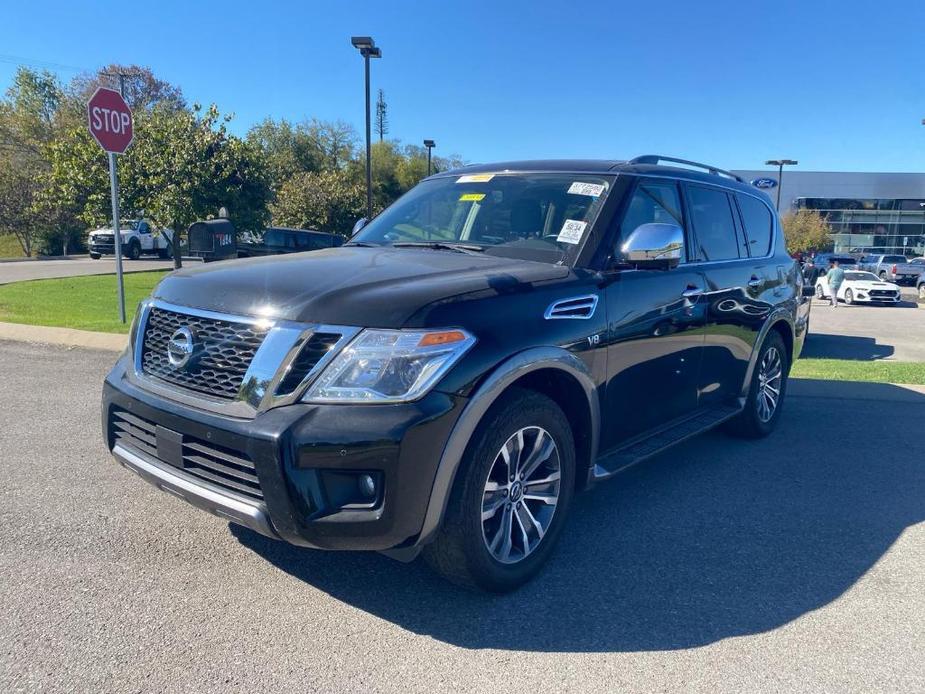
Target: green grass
848, 370
85, 303
9, 247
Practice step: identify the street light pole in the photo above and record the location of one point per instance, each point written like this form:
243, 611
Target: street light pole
430, 144
368, 49
780, 164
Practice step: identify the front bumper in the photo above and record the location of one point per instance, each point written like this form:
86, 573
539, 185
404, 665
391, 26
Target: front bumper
296, 451
103, 248
865, 296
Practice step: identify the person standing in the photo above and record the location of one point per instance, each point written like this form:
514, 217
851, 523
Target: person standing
834, 278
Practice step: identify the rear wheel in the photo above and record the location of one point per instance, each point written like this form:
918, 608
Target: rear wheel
849, 297
511, 496
766, 391
883, 275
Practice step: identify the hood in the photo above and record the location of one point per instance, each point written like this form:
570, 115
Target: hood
124, 232
368, 287
871, 284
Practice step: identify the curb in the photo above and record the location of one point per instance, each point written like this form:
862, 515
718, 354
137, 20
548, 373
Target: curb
69, 337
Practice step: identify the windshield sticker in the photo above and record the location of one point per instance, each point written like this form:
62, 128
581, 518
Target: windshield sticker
471, 197
475, 178
572, 231
581, 188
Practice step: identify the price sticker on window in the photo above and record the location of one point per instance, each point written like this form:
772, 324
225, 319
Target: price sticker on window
581, 188
572, 231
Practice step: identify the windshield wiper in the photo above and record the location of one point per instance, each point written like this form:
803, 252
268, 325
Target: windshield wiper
441, 246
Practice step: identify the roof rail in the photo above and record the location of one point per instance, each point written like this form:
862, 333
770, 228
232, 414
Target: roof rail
657, 158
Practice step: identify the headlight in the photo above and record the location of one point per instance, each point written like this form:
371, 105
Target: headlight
382, 366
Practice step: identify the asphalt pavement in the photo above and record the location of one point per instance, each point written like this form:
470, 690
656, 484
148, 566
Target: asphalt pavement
867, 332
795, 563
21, 270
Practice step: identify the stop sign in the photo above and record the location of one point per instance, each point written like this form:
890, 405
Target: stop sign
110, 120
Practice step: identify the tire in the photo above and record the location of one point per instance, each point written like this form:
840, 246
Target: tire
849, 297
466, 550
95, 256
922, 292
882, 275
819, 293
752, 422
134, 250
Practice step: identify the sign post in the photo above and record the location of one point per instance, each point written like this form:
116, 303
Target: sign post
110, 122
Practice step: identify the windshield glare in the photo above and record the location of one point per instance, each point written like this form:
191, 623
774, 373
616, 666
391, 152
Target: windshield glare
862, 276
540, 216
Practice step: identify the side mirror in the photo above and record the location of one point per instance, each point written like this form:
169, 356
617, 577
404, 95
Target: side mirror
654, 246
361, 222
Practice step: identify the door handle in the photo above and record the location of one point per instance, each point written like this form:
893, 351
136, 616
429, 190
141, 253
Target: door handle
692, 292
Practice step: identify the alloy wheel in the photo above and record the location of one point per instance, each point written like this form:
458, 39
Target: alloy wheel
521, 494
770, 377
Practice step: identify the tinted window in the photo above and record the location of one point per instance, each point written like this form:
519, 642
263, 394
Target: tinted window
713, 223
653, 201
894, 259
757, 219
143, 228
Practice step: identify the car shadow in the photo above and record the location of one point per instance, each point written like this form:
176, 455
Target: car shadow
715, 539
828, 346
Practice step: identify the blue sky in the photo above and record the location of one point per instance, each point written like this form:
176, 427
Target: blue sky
837, 85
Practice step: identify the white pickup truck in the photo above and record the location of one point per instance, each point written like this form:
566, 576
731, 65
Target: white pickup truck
139, 237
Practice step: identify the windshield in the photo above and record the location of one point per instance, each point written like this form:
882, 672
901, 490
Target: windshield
862, 276
535, 216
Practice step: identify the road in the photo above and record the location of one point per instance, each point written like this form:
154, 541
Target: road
868, 332
18, 271
723, 566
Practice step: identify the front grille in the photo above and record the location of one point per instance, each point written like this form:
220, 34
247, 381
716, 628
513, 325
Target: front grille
104, 238
222, 467
226, 351
882, 292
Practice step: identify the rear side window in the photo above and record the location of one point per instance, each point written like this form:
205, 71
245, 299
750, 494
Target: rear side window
758, 224
714, 226
894, 259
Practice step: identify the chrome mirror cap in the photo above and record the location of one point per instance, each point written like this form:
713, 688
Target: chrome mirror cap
654, 245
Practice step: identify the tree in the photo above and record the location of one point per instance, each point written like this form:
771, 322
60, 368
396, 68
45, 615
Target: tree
329, 201
382, 116
27, 114
18, 188
805, 231
143, 91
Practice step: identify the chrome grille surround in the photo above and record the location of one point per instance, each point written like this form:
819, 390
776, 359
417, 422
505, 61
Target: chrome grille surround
276, 344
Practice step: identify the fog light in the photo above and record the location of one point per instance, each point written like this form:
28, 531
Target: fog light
367, 486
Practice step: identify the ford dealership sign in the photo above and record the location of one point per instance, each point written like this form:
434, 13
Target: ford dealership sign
764, 183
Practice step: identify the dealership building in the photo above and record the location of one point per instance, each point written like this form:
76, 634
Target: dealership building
868, 212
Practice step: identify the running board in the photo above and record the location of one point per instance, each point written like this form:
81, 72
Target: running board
640, 449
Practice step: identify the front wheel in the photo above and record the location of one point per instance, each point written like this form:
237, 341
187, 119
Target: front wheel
922, 292
849, 297
819, 293
134, 250
511, 495
766, 391
95, 256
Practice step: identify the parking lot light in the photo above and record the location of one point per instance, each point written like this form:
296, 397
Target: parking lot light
780, 164
430, 144
368, 49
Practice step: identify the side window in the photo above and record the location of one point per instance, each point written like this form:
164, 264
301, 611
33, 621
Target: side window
143, 228
758, 229
652, 201
714, 226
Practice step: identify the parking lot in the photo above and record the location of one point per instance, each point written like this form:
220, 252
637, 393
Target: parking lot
21, 270
868, 332
792, 563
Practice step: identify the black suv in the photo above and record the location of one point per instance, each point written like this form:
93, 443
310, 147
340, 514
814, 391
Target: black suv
499, 338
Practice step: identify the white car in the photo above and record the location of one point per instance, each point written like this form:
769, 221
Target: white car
858, 287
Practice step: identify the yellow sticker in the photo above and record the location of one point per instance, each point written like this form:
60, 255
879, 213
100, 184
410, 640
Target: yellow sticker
475, 178
471, 197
